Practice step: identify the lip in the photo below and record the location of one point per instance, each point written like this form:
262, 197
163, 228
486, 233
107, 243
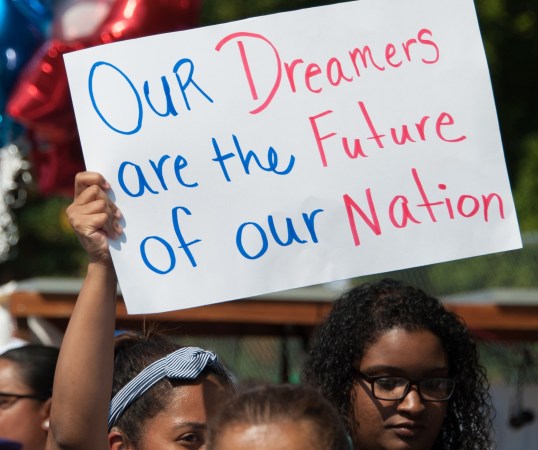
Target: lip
407, 429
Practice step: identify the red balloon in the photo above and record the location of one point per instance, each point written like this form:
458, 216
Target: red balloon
41, 101
135, 18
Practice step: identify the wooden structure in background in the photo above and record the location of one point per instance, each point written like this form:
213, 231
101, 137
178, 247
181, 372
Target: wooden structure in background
502, 314
294, 312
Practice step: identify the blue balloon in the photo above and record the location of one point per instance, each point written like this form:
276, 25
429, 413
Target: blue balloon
39, 12
24, 26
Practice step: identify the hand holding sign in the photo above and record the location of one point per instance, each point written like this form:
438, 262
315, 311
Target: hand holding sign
94, 217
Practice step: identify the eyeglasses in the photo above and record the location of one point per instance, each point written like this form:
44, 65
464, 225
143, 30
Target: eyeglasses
438, 389
8, 399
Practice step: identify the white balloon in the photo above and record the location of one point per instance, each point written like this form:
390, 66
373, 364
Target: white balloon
76, 19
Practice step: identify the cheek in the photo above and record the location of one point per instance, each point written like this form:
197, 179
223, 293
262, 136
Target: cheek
367, 414
438, 413
367, 423
19, 423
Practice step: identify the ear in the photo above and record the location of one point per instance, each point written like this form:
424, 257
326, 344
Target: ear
45, 414
116, 440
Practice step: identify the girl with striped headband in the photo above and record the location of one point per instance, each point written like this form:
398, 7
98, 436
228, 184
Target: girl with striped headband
162, 394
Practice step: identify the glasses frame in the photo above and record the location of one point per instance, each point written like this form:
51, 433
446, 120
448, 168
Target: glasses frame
18, 397
371, 380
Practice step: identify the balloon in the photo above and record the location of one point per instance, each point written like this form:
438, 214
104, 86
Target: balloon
41, 99
39, 12
79, 19
23, 28
135, 18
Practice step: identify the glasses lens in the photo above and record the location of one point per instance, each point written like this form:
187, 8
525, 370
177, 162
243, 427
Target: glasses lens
390, 388
6, 401
436, 389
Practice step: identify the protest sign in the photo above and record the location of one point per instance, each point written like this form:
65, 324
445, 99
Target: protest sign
295, 149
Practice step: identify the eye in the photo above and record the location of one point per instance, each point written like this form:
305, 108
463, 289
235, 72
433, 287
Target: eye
438, 384
390, 383
191, 440
5, 402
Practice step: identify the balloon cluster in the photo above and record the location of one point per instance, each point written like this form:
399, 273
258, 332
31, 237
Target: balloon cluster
35, 104
24, 26
40, 100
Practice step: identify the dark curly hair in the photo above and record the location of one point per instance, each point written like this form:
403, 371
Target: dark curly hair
357, 320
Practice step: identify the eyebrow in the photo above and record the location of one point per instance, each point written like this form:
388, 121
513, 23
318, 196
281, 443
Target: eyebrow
388, 368
194, 425
13, 394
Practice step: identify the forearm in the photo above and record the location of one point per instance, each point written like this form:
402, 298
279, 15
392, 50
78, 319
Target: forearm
83, 380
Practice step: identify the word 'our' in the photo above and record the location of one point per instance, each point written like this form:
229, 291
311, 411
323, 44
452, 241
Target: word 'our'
107, 73
252, 240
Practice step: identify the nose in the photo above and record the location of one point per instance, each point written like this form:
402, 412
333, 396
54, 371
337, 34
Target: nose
411, 404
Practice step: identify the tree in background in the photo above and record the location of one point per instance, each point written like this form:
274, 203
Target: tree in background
509, 30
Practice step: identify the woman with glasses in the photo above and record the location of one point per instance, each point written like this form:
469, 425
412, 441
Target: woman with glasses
402, 371
26, 377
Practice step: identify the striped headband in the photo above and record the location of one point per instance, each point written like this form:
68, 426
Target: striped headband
186, 363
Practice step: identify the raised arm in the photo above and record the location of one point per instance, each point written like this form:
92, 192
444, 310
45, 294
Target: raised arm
83, 380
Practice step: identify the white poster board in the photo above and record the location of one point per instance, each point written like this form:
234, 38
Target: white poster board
295, 149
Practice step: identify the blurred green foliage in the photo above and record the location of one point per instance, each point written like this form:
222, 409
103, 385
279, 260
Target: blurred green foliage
512, 269
48, 247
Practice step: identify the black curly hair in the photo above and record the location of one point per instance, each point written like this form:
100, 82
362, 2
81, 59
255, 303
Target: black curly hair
357, 320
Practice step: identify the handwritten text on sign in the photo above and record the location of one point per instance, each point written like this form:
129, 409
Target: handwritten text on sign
295, 149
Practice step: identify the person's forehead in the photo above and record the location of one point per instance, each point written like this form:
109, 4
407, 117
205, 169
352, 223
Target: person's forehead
399, 347
10, 376
189, 403
188, 406
268, 436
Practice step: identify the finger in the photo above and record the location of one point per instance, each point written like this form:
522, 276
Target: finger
97, 206
90, 217
84, 180
87, 224
95, 193
90, 194
107, 206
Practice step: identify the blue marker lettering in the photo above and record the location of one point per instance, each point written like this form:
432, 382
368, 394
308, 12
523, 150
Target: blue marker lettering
184, 80
292, 235
249, 157
170, 109
166, 246
142, 182
183, 244
184, 85
239, 240
96, 107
